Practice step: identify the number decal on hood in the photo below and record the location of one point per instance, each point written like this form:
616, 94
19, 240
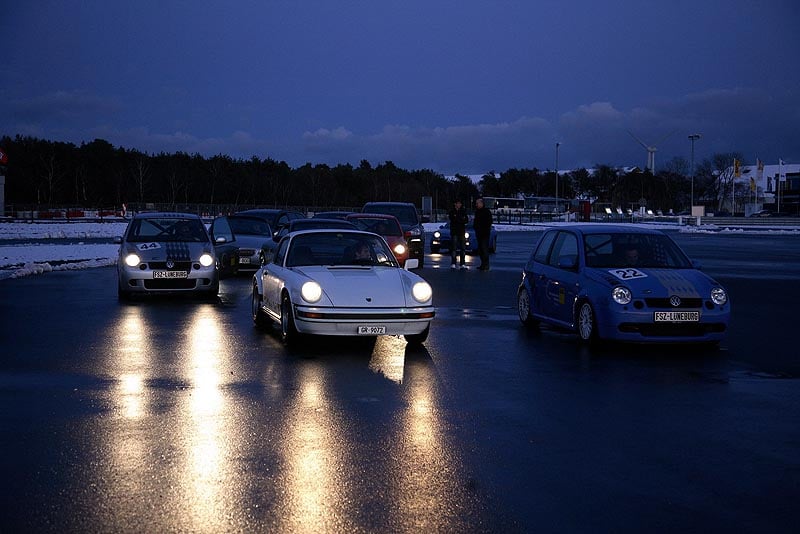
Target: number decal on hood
627, 274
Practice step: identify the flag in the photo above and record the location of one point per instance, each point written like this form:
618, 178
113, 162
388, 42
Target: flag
752, 184
759, 164
737, 172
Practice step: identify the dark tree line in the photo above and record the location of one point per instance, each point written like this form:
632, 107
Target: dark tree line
96, 174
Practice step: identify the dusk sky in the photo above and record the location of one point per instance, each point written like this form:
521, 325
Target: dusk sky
453, 86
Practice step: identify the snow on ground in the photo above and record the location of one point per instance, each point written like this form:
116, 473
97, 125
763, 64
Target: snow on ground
27, 248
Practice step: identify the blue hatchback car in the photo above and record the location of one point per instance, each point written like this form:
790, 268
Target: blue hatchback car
620, 282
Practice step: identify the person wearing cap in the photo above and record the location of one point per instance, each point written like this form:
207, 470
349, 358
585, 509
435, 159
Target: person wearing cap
458, 227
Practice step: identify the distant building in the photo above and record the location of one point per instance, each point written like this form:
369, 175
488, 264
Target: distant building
775, 187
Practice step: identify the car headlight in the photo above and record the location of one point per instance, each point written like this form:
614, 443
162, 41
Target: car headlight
311, 292
621, 295
132, 260
422, 292
466, 235
399, 249
437, 234
206, 260
718, 296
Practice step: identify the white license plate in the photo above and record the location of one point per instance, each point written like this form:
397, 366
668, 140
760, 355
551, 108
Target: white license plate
676, 317
170, 274
244, 260
371, 330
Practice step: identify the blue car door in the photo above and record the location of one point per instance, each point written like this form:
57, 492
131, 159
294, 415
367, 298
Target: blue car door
560, 280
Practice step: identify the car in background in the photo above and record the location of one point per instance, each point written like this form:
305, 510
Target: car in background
314, 223
277, 220
341, 283
171, 253
615, 282
409, 218
331, 214
761, 213
386, 226
250, 234
441, 240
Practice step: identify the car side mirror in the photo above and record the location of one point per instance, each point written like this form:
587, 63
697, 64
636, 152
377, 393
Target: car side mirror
118, 240
219, 240
411, 263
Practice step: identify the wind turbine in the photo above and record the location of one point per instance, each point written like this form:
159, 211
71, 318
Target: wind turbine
651, 151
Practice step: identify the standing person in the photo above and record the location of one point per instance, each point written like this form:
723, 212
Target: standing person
483, 229
458, 227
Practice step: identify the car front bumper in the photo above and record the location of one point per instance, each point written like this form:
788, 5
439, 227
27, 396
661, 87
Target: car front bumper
640, 326
345, 321
199, 279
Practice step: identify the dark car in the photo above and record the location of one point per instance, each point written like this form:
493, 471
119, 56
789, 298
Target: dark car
442, 241
313, 223
331, 214
251, 233
411, 222
617, 282
277, 219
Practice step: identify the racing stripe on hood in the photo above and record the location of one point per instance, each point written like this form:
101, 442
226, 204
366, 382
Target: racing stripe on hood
178, 252
674, 282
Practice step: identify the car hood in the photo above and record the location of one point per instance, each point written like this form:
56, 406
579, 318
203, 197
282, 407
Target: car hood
251, 241
657, 282
363, 287
162, 251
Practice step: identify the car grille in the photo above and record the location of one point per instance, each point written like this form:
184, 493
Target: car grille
665, 303
179, 265
170, 284
672, 329
246, 251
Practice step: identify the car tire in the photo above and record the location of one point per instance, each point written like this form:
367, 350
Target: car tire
416, 340
259, 317
289, 333
524, 308
586, 324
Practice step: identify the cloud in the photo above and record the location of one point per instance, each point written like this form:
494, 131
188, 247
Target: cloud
758, 123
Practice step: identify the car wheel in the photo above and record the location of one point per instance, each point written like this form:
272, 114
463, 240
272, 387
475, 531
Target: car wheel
289, 332
587, 326
259, 317
418, 339
524, 308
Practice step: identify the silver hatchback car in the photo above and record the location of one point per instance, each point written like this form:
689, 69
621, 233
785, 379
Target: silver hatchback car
171, 253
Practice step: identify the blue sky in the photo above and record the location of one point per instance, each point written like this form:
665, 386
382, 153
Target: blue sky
454, 86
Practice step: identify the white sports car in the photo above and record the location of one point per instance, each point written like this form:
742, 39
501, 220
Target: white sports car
341, 283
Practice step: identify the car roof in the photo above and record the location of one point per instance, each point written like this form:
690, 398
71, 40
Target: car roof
315, 221
599, 228
371, 216
390, 204
165, 215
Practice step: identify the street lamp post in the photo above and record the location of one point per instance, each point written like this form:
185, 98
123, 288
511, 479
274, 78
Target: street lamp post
692, 138
557, 145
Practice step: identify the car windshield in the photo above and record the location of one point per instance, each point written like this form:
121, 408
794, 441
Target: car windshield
167, 229
405, 214
377, 225
337, 249
249, 226
613, 250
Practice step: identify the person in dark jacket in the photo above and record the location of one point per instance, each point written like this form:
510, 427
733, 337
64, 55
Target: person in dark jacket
458, 227
483, 228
